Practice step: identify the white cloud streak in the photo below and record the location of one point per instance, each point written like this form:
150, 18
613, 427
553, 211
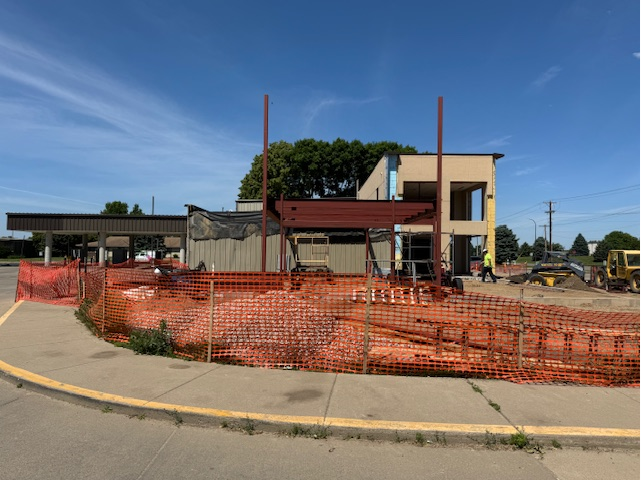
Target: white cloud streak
65, 116
316, 107
546, 77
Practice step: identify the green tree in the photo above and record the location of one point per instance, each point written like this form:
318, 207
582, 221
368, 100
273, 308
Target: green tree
526, 249
136, 210
315, 168
507, 245
614, 240
116, 207
62, 245
538, 249
580, 246
143, 243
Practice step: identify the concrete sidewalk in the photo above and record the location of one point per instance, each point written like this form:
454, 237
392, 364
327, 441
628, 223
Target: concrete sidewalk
45, 348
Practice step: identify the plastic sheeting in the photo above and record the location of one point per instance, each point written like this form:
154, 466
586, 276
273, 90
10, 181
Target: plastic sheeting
206, 225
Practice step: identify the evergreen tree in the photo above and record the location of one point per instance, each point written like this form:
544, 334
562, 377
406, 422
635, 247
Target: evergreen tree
580, 246
507, 245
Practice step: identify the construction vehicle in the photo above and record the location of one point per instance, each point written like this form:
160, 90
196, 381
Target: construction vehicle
555, 268
621, 270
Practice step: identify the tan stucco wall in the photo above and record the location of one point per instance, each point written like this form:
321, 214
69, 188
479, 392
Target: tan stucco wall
477, 170
376, 181
456, 168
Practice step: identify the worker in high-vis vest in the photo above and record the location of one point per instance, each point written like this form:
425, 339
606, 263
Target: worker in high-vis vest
487, 266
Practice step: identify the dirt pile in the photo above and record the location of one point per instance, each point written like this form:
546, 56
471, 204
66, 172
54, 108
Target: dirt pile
571, 282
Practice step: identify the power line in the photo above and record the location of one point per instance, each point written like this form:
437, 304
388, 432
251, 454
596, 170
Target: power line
597, 194
577, 197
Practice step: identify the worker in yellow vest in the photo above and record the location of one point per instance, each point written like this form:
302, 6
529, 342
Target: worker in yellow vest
487, 266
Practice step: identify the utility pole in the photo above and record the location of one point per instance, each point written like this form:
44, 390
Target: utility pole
550, 211
545, 237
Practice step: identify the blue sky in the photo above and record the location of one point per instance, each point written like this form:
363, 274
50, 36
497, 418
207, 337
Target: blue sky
129, 100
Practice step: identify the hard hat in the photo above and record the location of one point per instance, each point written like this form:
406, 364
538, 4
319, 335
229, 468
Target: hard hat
484, 250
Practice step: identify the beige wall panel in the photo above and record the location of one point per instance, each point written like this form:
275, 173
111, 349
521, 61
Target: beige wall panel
456, 168
377, 181
350, 258
236, 255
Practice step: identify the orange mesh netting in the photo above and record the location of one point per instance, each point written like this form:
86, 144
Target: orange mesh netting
349, 323
56, 283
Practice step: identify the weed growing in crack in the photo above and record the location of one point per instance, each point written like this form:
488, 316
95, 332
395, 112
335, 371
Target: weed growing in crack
249, 427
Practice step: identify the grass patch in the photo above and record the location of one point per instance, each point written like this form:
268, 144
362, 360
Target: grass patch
82, 314
315, 432
155, 342
519, 440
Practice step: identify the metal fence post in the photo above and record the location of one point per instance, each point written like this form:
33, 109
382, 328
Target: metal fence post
211, 319
521, 332
368, 301
104, 298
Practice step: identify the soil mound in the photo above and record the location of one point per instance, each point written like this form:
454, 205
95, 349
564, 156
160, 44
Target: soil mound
571, 282
574, 282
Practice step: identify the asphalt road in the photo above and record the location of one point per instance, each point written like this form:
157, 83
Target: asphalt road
46, 438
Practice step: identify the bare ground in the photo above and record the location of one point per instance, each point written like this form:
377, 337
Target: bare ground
575, 289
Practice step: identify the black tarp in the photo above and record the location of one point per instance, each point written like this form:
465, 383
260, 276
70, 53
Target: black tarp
207, 225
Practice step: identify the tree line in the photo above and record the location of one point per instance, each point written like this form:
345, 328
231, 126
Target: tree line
311, 168
508, 248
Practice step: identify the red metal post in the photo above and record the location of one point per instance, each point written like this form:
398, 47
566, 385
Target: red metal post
439, 194
283, 249
264, 230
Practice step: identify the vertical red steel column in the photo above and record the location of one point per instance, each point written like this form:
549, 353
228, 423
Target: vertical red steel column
439, 193
283, 249
263, 262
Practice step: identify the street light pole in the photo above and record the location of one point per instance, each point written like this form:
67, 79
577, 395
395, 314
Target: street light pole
534, 237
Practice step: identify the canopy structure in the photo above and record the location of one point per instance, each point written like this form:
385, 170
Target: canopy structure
349, 214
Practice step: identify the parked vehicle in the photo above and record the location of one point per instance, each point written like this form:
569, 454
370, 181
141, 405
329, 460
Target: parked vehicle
621, 270
143, 256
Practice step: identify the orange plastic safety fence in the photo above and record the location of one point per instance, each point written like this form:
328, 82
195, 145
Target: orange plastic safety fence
349, 323
56, 283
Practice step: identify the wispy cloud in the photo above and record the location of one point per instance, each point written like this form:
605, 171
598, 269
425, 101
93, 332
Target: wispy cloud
69, 117
315, 107
527, 171
546, 77
636, 54
498, 142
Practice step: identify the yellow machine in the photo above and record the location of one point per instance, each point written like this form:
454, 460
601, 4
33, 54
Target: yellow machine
621, 270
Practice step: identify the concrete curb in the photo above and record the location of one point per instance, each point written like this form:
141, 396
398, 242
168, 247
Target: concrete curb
429, 433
